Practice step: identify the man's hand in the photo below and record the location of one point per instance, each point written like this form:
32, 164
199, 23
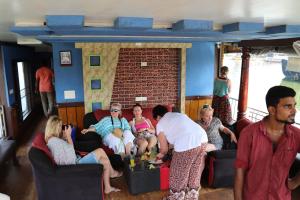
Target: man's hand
159, 156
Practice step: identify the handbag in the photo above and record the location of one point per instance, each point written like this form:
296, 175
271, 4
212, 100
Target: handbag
118, 133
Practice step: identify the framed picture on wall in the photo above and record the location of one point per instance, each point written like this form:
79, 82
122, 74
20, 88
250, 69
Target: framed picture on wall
65, 58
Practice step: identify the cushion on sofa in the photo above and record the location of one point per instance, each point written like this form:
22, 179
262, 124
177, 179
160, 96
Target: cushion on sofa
40, 143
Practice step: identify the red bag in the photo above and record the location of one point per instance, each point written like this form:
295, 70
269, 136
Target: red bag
164, 177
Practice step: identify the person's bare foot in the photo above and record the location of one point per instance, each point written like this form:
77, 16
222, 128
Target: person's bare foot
111, 189
116, 174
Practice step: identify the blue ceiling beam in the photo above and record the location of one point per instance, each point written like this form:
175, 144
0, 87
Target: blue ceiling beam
31, 30
283, 30
133, 22
92, 31
64, 21
193, 25
140, 29
243, 27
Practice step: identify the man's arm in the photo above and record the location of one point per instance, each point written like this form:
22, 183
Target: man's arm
239, 183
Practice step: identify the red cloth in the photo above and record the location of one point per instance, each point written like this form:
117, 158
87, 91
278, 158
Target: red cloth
266, 172
45, 76
164, 177
40, 143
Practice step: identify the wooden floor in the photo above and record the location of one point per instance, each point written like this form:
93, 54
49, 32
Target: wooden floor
18, 183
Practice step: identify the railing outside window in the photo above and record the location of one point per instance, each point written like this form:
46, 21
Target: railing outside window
252, 113
3, 132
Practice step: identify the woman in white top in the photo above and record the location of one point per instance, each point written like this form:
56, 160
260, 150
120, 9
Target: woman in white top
189, 141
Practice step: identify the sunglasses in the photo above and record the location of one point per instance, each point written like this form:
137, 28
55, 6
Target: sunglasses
205, 106
114, 110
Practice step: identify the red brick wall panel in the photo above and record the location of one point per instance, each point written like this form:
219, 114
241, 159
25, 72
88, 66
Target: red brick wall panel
158, 81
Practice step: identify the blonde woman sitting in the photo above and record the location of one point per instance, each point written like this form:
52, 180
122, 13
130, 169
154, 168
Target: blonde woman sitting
213, 126
61, 146
143, 130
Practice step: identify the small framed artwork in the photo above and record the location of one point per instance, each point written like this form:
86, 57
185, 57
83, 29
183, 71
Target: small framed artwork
95, 61
95, 84
65, 58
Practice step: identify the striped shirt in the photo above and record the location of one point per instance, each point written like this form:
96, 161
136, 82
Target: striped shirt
105, 126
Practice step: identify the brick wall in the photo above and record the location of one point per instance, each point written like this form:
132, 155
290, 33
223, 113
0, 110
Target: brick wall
159, 81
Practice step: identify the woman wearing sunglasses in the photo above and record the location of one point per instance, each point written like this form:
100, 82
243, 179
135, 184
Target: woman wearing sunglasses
114, 130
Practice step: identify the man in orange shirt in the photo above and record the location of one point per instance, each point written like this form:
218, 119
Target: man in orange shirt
44, 77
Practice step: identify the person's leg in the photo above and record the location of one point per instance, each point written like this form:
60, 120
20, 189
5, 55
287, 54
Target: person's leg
128, 141
198, 157
114, 143
50, 97
142, 145
179, 173
151, 142
44, 103
97, 156
102, 157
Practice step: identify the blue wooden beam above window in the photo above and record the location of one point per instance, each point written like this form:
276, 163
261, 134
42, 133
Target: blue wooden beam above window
243, 27
65, 21
133, 22
283, 29
197, 25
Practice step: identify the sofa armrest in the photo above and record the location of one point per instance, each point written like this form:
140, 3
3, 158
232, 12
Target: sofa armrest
223, 154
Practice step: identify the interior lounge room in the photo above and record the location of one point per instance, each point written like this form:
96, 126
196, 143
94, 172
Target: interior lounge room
149, 100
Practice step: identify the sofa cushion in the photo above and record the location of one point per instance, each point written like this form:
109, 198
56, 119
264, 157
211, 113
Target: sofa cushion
40, 143
99, 114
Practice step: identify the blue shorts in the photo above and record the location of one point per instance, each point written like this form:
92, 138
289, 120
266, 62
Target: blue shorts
88, 159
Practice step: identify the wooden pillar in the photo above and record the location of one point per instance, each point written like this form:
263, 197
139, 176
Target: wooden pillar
243, 95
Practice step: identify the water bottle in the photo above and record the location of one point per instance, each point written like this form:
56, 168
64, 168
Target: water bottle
131, 162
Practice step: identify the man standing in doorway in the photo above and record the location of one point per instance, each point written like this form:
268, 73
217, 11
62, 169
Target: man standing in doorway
44, 77
267, 149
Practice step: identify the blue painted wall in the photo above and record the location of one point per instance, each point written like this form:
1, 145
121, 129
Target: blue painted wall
9, 54
68, 77
200, 69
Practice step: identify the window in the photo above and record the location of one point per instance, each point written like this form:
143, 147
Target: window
2, 123
24, 89
265, 71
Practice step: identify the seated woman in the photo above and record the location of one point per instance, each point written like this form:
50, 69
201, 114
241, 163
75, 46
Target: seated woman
61, 146
143, 130
114, 130
212, 126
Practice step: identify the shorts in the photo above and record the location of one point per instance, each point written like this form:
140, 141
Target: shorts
90, 158
143, 135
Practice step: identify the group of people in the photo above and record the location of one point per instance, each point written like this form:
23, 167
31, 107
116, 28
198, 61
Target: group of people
266, 149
